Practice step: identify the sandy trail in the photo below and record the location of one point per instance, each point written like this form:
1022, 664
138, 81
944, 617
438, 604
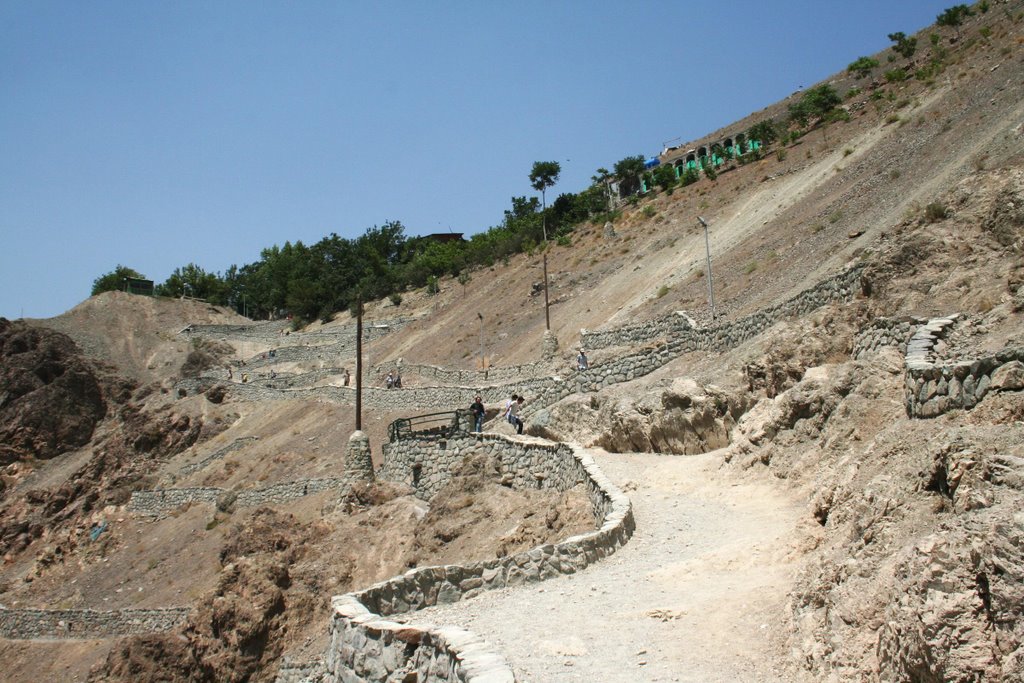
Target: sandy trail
692, 597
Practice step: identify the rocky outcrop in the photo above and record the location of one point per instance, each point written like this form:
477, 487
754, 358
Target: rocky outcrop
51, 397
685, 418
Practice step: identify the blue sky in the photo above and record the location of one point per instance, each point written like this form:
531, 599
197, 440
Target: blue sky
155, 134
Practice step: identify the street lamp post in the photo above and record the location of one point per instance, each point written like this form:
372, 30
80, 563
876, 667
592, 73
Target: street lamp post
707, 248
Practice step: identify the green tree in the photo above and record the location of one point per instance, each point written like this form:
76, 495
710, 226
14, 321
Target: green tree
816, 103
903, 45
628, 171
194, 282
114, 280
665, 177
765, 132
862, 66
954, 16
544, 175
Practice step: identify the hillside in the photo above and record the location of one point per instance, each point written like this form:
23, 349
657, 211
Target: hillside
825, 492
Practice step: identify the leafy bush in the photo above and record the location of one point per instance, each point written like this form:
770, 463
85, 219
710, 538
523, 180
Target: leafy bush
862, 66
662, 291
689, 177
904, 45
851, 93
432, 286
896, 75
396, 299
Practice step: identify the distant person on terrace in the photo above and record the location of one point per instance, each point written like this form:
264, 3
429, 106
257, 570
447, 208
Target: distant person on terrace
478, 414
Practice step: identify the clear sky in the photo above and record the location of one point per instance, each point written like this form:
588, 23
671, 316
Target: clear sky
155, 134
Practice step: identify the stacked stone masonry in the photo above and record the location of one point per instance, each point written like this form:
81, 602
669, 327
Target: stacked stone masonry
836, 289
886, 332
933, 388
367, 647
29, 624
235, 445
160, 502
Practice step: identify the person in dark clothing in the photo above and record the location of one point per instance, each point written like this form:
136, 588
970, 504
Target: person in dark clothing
478, 414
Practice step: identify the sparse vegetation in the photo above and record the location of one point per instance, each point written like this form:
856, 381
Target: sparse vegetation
896, 75
662, 291
935, 212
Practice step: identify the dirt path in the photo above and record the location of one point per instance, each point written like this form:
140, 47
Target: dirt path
694, 595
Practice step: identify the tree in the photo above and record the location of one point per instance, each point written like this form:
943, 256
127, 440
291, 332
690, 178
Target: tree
665, 177
765, 131
862, 66
545, 175
816, 102
954, 16
903, 45
628, 172
114, 280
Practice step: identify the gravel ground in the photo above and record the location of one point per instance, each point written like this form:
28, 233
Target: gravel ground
694, 596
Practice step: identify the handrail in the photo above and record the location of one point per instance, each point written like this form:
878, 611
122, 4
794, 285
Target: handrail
431, 425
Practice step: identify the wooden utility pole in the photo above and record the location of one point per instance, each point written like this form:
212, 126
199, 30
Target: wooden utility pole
359, 362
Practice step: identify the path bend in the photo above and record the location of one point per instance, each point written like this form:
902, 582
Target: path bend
694, 596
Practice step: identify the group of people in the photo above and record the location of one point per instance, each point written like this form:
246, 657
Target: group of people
394, 380
513, 406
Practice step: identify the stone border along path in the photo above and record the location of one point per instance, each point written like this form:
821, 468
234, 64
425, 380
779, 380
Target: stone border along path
367, 647
691, 597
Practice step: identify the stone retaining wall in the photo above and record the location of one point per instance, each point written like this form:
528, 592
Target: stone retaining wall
217, 455
838, 288
27, 624
887, 332
159, 502
366, 647
933, 388
461, 377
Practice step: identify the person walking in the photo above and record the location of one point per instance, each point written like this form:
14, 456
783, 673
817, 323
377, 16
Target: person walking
581, 361
390, 381
478, 414
507, 414
515, 419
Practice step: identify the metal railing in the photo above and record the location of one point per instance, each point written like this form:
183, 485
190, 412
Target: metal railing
433, 425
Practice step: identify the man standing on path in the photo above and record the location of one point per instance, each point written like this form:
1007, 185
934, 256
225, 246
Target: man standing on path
581, 361
478, 414
514, 415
